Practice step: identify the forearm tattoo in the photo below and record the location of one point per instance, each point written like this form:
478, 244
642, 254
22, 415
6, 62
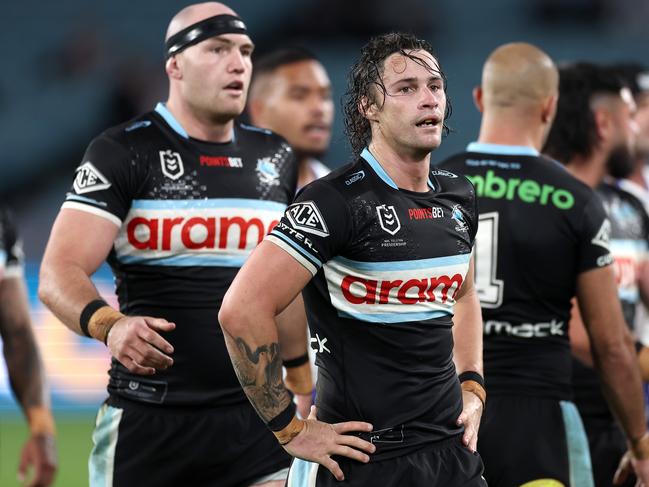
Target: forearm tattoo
260, 375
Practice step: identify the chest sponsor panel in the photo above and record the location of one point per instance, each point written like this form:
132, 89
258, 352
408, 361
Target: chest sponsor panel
628, 254
396, 291
209, 232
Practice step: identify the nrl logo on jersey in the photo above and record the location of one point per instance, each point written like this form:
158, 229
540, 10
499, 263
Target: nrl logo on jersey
172, 164
307, 217
267, 172
388, 219
89, 178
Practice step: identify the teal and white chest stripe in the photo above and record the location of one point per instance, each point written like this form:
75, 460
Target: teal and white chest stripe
395, 291
208, 232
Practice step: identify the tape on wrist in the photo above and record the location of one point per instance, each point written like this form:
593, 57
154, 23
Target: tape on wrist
286, 425
475, 388
471, 375
97, 318
296, 362
640, 447
40, 420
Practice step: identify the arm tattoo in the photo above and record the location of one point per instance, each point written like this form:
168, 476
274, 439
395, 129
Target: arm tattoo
260, 375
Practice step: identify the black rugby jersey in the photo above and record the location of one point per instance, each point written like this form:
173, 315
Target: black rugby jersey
189, 213
629, 235
11, 254
539, 228
387, 266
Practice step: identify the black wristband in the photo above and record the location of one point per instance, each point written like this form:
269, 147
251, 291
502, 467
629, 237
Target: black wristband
282, 420
471, 375
87, 313
296, 362
638, 347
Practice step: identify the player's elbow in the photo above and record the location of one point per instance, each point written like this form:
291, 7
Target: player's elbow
46, 284
615, 350
232, 317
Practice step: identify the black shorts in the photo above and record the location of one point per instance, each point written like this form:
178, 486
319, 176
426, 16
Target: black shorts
528, 439
141, 446
607, 445
444, 464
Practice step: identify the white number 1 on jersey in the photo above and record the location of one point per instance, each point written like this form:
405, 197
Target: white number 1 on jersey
490, 289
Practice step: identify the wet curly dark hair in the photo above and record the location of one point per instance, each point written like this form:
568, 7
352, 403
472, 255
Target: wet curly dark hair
368, 73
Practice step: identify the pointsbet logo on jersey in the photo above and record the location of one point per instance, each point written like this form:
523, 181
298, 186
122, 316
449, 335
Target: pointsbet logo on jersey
526, 190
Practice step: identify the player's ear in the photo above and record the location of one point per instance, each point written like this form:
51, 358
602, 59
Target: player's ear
549, 109
368, 108
477, 98
173, 67
603, 123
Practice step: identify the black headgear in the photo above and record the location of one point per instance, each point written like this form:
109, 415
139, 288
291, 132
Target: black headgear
210, 27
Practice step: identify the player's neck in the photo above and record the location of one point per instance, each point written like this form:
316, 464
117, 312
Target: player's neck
637, 176
198, 127
505, 130
589, 170
304, 172
408, 170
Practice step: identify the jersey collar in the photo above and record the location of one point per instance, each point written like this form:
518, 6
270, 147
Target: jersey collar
501, 149
164, 112
380, 172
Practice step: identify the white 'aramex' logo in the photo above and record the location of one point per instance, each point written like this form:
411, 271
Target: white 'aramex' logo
89, 178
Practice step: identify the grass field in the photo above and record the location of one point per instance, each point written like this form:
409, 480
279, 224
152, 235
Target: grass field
73, 442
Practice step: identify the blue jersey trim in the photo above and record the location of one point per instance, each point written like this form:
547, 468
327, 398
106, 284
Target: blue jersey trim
581, 471
207, 260
404, 264
378, 169
208, 203
171, 120
314, 260
83, 199
3, 258
252, 128
501, 149
401, 317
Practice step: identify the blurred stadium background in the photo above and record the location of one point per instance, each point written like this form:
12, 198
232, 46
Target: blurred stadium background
73, 68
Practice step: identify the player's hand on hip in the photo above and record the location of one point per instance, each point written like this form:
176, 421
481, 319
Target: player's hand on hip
39, 453
470, 418
629, 465
136, 342
318, 441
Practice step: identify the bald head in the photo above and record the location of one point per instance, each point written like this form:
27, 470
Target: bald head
195, 13
518, 75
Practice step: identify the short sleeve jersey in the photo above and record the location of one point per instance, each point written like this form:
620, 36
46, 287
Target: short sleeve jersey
11, 254
387, 266
629, 234
188, 214
539, 228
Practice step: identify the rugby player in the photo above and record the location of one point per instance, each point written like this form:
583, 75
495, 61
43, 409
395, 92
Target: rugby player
24, 366
175, 200
543, 238
290, 94
382, 249
594, 136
